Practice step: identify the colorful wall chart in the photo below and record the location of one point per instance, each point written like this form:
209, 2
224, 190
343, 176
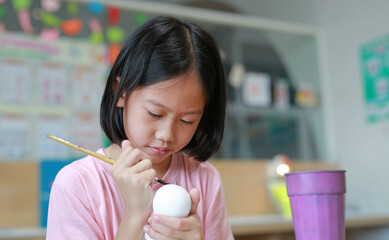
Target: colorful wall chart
54, 59
43, 90
375, 76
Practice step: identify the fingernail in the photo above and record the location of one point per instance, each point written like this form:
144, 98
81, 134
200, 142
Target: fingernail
146, 228
156, 217
149, 220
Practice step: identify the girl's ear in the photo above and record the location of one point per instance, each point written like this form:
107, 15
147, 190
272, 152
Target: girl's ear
122, 99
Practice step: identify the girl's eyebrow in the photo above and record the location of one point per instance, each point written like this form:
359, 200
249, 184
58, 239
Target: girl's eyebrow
152, 101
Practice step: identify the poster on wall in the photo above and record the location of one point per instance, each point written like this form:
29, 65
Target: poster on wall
54, 61
374, 57
17, 91
43, 90
52, 84
15, 136
56, 125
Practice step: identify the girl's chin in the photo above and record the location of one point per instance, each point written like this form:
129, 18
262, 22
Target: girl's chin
159, 159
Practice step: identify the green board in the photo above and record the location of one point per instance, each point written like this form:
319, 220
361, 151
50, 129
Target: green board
375, 76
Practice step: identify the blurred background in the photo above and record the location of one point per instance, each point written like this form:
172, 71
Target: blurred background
308, 80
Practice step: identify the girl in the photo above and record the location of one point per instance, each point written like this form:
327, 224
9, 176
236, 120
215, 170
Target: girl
163, 110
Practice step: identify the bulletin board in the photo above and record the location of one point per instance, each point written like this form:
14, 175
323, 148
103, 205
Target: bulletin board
54, 60
48, 88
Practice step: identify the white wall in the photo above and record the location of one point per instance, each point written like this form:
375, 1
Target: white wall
286, 10
361, 148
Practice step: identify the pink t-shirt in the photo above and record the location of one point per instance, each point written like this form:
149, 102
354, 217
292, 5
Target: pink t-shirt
86, 204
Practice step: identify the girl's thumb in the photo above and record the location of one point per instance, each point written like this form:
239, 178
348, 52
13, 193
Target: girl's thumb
195, 197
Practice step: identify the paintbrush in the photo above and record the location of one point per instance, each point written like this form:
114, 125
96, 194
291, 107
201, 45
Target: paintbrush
94, 154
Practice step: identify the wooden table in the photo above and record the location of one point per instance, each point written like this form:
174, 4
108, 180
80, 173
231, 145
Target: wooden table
268, 226
243, 227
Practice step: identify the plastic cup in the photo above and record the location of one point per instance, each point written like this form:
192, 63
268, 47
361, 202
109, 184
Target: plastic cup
317, 204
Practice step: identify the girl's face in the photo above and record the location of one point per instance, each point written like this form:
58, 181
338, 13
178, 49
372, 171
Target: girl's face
162, 118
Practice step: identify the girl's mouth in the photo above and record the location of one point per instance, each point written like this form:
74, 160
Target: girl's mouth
159, 151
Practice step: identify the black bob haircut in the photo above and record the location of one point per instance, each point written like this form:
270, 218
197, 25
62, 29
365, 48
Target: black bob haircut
161, 49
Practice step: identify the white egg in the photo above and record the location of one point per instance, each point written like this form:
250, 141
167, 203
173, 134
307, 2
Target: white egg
172, 200
147, 237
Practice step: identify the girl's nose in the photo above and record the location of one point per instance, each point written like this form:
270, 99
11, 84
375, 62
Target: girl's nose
165, 132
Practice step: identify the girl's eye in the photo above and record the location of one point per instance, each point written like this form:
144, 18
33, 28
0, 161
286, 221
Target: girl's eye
154, 115
186, 122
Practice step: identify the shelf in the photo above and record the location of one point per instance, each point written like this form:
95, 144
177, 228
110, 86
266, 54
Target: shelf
271, 112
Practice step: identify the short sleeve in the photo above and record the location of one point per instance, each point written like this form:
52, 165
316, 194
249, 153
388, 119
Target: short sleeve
70, 215
216, 225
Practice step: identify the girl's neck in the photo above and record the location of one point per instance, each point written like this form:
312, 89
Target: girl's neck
114, 151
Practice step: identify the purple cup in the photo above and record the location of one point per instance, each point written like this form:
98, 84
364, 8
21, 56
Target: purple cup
317, 204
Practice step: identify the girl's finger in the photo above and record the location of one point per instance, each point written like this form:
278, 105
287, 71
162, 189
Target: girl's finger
126, 144
148, 176
170, 226
156, 235
129, 158
182, 224
159, 229
126, 149
142, 165
120, 160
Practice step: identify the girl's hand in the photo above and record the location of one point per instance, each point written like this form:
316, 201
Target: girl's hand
133, 176
189, 228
